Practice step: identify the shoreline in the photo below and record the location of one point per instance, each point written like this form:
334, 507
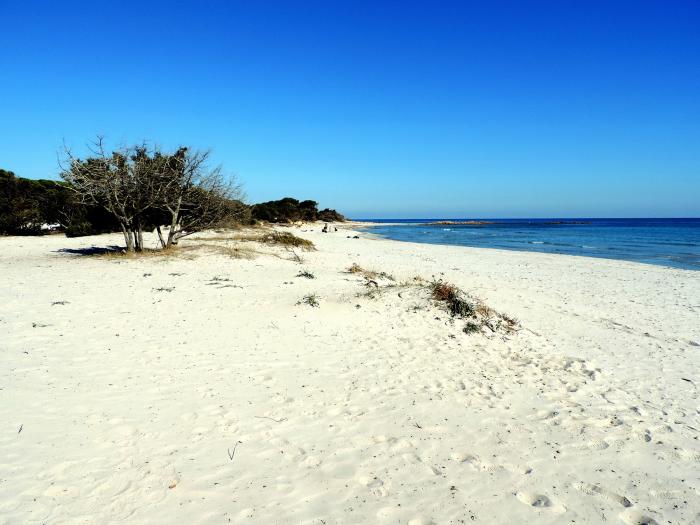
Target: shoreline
504, 251
653, 259
133, 379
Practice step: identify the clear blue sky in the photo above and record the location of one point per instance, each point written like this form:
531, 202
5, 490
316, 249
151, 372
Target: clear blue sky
379, 109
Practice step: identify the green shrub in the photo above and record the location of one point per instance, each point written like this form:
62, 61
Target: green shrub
79, 229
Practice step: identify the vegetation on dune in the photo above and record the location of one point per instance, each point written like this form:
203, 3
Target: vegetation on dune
289, 210
136, 189
140, 188
144, 188
28, 206
478, 317
370, 275
287, 239
310, 299
453, 298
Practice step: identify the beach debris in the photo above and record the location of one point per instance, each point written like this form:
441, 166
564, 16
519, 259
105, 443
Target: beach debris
222, 282
231, 453
272, 418
20, 428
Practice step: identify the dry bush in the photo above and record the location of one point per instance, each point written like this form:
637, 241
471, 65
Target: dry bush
485, 311
355, 268
443, 291
455, 300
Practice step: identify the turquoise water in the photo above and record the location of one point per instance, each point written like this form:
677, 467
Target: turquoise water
666, 242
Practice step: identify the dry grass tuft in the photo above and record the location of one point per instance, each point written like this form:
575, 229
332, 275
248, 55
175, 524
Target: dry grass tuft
310, 299
287, 239
237, 252
455, 300
355, 268
443, 291
370, 275
148, 253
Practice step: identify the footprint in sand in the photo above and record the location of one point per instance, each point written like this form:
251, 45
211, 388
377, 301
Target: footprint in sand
595, 444
483, 466
539, 501
374, 484
595, 490
633, 517
687, 455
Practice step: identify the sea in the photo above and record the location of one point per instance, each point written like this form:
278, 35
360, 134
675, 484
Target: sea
665, 242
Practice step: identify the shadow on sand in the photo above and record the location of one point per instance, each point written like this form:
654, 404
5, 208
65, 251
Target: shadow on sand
93, 250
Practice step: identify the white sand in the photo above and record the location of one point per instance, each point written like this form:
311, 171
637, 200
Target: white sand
131, 400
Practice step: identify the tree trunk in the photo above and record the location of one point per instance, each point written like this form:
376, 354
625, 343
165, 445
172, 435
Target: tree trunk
175, 213
160, 238
173, 226
127, 238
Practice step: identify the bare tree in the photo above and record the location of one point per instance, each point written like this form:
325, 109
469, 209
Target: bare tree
145, 189
197, 197
117, 182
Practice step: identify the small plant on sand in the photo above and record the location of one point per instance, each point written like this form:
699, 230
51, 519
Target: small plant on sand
471, 328
306, 274
369, 293
310, 299
454, 299
355, 268
512, 322
369, 274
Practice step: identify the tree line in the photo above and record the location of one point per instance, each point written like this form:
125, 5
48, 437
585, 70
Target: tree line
136, 189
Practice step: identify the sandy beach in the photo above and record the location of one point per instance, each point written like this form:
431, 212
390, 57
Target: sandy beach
196, 388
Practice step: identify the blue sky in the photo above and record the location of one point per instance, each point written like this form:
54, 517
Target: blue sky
379, 109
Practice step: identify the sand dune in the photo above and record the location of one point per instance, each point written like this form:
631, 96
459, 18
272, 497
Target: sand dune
196, 390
